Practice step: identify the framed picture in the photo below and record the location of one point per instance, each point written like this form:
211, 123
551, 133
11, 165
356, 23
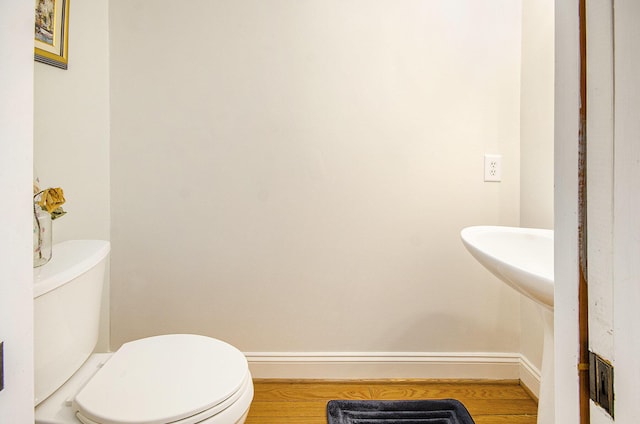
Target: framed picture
52, 32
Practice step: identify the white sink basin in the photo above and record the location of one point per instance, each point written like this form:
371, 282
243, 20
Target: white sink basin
521, 257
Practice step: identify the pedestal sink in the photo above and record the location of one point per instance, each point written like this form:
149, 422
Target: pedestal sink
523, 258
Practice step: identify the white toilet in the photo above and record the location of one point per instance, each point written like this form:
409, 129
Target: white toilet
177, 378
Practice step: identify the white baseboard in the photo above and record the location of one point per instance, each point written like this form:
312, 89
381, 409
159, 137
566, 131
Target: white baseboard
530, 376
395, 365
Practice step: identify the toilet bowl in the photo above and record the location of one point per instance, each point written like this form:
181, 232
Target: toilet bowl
174, 378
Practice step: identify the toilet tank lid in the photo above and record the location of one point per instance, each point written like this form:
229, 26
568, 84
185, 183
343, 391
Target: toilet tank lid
69, 260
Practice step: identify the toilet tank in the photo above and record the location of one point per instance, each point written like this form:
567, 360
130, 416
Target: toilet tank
67, 297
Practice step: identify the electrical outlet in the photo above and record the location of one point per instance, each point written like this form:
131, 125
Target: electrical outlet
492, 167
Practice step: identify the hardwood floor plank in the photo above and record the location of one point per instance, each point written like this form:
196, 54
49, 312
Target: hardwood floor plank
290, 420
434, 391
305, 402
300, 391
500, 406
502, 419
288, 409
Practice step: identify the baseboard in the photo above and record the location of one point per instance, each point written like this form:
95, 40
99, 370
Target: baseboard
396, 365
530, 376
384, 365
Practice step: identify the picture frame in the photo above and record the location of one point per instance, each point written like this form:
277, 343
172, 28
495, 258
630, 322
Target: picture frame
51, 36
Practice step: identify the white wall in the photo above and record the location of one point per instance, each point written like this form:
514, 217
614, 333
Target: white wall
71, 130
292, 176
536, 114
16, 152
536, 147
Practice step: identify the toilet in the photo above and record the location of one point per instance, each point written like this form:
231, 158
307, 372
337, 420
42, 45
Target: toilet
174, 378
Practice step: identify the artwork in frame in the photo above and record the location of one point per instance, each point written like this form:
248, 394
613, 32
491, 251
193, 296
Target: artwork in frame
52, 32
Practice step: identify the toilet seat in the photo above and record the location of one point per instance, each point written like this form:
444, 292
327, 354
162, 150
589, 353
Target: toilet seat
173, 378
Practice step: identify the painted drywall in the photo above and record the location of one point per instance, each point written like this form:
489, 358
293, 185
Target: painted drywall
71, 131
16, 152
536, 114
292, 176
536, 148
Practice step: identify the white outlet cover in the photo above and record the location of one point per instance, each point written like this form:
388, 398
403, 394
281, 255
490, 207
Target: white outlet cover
492, 167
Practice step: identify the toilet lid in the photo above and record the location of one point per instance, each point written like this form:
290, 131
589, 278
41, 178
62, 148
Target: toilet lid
162, 379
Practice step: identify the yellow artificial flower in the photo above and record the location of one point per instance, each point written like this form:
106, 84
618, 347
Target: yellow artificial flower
51, 199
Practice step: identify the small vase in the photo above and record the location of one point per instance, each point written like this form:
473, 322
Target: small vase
41, 237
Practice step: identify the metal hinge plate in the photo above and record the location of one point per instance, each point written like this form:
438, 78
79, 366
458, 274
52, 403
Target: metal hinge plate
601, 382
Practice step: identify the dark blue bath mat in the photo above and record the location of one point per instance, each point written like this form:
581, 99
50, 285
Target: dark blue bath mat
444, 411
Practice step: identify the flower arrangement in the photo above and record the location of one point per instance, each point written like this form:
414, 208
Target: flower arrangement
51, 200
47, 206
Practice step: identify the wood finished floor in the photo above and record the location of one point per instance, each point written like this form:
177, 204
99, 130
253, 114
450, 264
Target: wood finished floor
305, 401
